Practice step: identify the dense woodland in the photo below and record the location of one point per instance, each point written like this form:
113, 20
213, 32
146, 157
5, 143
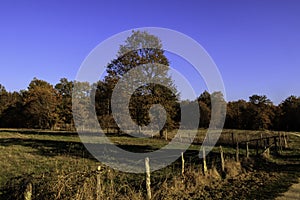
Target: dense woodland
44, 106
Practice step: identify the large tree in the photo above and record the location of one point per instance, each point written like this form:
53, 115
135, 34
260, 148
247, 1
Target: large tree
235, 115
82, 106
263, 110
12, 114
205, 98
152, 64
204, 101
289, 116
3, 98
64, 89
11, 109
40, 104
259, 113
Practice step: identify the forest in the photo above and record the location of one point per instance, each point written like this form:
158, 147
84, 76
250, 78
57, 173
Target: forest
43, 106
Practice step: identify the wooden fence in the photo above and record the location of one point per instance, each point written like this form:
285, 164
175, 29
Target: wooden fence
262, 146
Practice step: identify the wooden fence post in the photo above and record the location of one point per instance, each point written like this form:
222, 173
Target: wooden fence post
247, 149
166, 134
275, 143
222, 159
28, 192
204, 161
98, 187
148, 181
182, 164
280, 142
237, 152
232, 139
285, 140
208, 138
268, 152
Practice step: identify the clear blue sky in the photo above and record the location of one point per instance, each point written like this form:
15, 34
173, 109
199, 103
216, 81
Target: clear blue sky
255, 44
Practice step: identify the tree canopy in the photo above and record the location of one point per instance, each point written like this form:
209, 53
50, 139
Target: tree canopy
142, 55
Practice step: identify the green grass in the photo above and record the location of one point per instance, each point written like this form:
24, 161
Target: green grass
54, 156
39, 153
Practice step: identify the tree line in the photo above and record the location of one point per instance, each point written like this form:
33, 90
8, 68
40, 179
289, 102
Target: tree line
44, 106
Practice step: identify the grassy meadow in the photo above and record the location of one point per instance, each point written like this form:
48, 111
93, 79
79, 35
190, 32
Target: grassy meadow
59, 167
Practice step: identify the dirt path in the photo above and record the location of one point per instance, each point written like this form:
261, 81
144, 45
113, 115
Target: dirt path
294, 191
292, 194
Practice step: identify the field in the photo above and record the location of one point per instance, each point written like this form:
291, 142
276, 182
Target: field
58, 166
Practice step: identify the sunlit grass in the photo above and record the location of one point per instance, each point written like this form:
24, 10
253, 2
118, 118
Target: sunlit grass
43, 152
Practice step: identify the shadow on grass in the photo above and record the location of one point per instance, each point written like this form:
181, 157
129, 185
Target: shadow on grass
40, 132
76, 149
63, 133
289, 174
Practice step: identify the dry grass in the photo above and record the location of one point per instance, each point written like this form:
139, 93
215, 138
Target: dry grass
59, 167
